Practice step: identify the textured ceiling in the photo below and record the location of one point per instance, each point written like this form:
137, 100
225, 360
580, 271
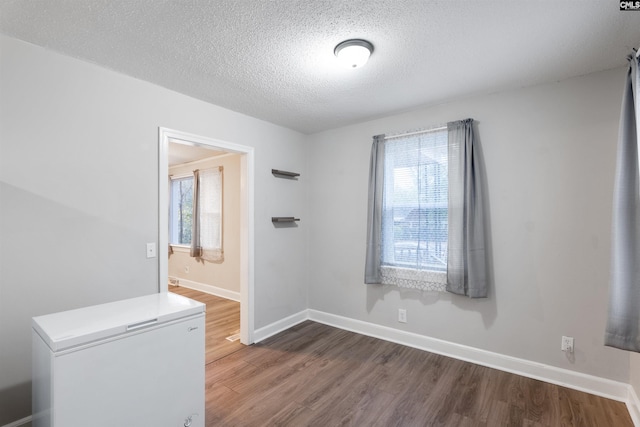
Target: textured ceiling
273, 59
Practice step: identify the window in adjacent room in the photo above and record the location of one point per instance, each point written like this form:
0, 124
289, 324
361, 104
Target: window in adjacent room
195, 214
181, 211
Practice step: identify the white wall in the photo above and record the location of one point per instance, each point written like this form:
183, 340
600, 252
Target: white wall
550, 158
79, 196
226, 274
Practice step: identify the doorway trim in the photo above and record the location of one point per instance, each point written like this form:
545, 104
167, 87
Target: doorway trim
247, 173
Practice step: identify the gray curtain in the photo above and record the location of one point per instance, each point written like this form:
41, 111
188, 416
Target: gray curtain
374, 215
196, 248
466, 263
623, 322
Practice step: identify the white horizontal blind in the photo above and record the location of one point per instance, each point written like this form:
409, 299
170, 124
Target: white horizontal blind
414, 218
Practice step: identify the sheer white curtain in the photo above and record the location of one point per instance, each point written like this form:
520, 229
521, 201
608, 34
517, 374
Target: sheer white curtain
623, 323
207, 236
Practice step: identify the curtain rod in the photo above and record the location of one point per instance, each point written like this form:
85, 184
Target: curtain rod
416, 133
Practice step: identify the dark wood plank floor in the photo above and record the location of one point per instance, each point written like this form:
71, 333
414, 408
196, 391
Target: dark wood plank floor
316, 375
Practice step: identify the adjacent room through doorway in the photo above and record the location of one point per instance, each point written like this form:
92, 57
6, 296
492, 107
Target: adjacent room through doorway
204, 238
207, 245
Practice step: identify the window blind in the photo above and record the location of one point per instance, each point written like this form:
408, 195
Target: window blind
415, 199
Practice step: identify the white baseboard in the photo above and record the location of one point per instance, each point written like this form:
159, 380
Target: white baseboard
18, 423
633, 406
209, 289
280, 325
588, 383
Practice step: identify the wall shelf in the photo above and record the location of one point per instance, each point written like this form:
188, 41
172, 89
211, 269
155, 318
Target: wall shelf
284, 219
284, 173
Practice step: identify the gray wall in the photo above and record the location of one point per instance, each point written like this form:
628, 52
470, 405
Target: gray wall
78, 192
550, 158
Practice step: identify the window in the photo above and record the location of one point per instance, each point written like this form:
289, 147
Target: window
415, 210
181, 211
195, 213
426, 216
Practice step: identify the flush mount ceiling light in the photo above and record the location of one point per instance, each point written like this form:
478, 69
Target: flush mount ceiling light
353, 53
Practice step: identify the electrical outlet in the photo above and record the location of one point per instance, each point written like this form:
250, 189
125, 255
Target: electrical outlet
567, 344
186, 269
402, 315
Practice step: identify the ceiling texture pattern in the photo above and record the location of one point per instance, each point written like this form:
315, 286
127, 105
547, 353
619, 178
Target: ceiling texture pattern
273, 59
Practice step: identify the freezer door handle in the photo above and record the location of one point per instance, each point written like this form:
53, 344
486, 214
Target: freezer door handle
139, 325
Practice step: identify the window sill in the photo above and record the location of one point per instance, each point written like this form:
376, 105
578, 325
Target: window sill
180, 248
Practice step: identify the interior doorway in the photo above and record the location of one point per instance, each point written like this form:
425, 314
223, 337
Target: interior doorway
246, 276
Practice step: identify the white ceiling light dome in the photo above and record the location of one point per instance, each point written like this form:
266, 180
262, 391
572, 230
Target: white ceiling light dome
353, 53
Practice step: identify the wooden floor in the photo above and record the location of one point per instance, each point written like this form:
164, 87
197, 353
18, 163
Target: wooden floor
316, 375
222, 321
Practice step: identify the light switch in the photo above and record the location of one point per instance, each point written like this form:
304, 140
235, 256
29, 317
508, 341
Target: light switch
151, 250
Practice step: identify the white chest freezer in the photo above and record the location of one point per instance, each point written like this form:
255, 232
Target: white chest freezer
137, 362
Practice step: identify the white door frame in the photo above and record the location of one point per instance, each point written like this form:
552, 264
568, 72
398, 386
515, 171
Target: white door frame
247, 173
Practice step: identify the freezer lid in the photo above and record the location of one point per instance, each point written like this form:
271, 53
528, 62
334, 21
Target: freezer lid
84, 325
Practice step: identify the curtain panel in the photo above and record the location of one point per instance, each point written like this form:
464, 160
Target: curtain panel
373, 259
206, 226
466, 259
196, 250
623, 321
